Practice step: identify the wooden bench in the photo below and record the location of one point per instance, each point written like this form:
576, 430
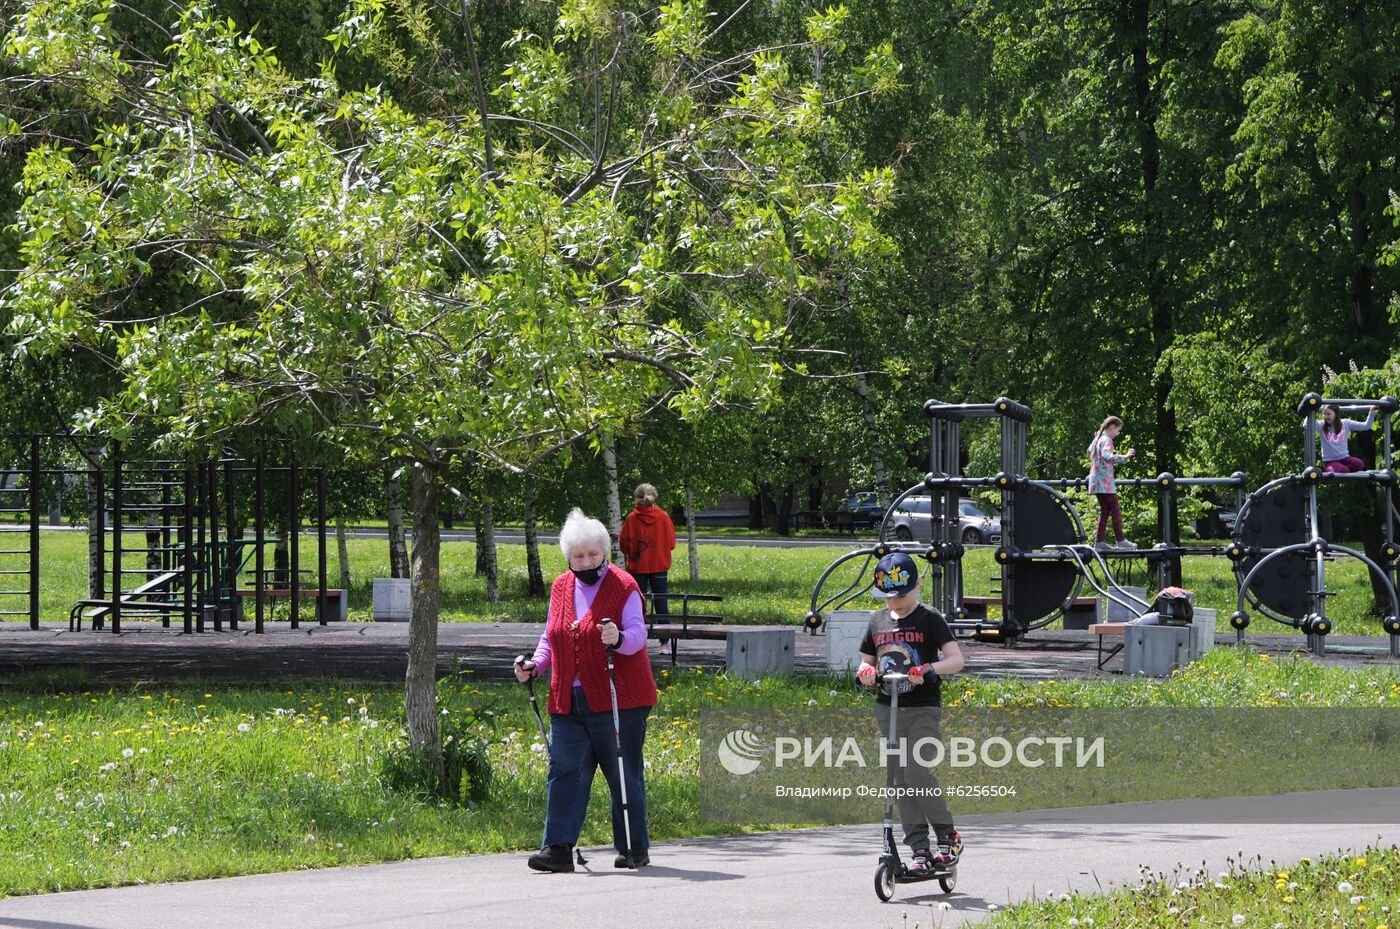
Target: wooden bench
664, 626
133, 600
336, 600
1083, 609
1100, 630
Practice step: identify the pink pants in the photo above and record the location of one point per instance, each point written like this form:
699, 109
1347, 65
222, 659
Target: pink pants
1349, 465
1108, 507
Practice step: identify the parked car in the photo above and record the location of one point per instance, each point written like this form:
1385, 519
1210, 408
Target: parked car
912, 521
976, 525
866, 511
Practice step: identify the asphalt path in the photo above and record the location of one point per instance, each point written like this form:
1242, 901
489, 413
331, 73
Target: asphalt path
818, 877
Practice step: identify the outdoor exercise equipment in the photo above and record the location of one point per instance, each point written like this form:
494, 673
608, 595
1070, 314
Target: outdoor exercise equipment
195, 550
1034, 592
193, 573
892, 870
1279, 552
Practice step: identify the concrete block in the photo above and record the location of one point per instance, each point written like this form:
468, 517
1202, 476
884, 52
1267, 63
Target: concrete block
1156, 651
844, 630
759, 652
392, 599
1111, 611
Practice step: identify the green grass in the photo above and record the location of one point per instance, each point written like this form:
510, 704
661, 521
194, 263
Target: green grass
760, 585
1357, 891
104, 786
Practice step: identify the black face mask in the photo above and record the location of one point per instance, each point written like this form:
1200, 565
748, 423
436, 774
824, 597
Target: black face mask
589, 575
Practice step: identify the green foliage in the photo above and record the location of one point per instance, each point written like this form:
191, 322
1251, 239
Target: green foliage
462, 775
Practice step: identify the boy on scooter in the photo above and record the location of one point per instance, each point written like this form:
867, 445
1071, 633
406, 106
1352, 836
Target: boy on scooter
908, 637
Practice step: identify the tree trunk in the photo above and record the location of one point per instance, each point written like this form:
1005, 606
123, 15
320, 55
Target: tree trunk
486, 545
398, 545
532, 544
420, 697
756, 510
282, 557
866, 407
1154, 272
478, 537
692, 546
785, 511
154, 541
614, 501
342, 554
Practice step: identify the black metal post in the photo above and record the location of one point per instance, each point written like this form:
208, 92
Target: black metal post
293, 544
34, 477
201, 552
322, 606
216, 552
258, 542
116, 537
231, 555
187, 543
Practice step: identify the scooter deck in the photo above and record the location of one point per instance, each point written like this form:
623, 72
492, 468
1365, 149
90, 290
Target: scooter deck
913, 877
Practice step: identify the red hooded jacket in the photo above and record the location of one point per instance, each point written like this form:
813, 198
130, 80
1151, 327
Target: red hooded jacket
648, 535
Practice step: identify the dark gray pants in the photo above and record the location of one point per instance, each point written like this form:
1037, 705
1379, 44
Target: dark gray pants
917, 813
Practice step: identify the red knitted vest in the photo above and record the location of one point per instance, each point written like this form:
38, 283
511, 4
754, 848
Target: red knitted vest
576, 651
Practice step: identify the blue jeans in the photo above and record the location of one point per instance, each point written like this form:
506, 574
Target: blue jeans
658, 585
581, 741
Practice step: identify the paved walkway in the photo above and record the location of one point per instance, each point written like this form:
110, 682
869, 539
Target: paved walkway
821, 877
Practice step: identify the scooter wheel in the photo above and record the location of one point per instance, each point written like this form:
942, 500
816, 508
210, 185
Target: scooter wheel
884, 883
949, 880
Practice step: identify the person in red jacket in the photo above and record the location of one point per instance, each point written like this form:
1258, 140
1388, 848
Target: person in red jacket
648, 537
592, 606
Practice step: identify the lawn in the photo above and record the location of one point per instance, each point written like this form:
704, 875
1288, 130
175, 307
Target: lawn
106, 786
760, 585
1354, 891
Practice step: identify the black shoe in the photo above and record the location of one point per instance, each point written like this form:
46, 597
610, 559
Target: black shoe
639, 860
557, 859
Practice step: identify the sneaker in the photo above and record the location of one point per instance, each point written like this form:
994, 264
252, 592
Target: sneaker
639, 860
922, 862
1104, 546
555, 859
949, 850
1126, 544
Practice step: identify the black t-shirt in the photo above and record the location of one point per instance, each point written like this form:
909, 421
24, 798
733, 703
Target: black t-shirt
900, 644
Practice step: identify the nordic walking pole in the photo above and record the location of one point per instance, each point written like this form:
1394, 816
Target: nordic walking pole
621, 774
535, 704
534, 701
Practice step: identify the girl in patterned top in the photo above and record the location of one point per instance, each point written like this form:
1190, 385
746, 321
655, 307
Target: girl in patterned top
1102, 458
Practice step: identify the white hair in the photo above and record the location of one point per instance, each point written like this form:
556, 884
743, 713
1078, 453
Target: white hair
580, 530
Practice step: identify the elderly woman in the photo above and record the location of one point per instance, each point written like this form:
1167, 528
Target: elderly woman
592, 606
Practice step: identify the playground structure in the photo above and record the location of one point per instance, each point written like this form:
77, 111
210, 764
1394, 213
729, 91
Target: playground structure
190, 514
1280, 555
1045, 559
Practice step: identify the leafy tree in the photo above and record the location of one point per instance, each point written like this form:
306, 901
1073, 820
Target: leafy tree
623, 222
